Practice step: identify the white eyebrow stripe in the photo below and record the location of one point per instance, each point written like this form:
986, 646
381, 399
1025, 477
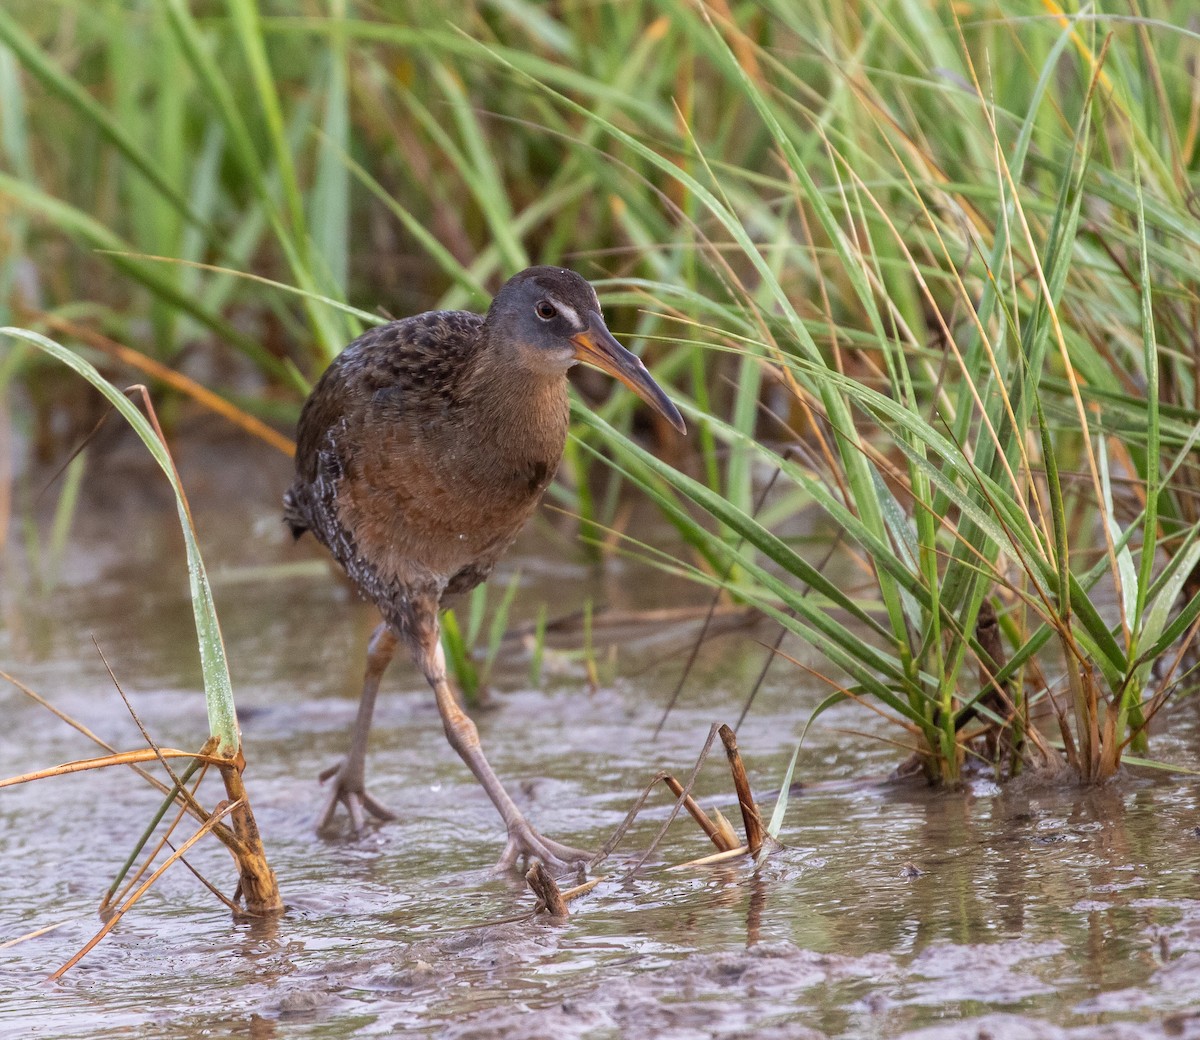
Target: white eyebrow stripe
569, 313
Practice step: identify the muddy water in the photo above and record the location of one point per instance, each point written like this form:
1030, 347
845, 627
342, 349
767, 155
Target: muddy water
893, 911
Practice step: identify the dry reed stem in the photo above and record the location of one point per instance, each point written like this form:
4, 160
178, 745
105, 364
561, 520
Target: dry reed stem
546, 889
582, 890
717, 834
714, 832
716, 857
741, 783
204, 397
122, 758
257, 884
44, 930
554, 902
37, 698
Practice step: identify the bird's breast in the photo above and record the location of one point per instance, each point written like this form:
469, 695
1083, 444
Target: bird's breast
441, 512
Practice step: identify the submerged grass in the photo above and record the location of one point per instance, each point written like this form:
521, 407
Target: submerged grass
934, 265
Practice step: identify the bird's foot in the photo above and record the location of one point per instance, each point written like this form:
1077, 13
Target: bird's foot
349, 790
526, 843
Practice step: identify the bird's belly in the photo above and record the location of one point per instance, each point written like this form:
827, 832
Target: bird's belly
425, 540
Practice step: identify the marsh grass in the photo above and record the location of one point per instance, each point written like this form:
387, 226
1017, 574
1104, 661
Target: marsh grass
961, 436
256, 884
470, 661
932, 264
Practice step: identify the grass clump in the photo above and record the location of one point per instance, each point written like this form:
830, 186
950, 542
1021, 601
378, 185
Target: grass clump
932, 265
257, 886
964, 409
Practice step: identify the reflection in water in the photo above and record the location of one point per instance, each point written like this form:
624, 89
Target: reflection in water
893, 908
755, 906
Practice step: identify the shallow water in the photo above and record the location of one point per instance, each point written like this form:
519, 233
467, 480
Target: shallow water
892, 911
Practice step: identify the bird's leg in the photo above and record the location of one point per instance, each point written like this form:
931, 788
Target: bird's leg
523, 839
349, 774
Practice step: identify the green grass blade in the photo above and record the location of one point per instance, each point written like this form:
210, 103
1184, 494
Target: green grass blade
218, 689
92, 112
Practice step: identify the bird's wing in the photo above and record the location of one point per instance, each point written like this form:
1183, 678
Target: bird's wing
361, 465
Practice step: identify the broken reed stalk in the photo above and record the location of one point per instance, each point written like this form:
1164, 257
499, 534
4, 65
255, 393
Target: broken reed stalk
256, 880
741, 783
554, 902
581, 890
715, 834
546, 889
716, 857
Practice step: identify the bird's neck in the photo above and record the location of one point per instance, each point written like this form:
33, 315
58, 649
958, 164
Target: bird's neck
520, 418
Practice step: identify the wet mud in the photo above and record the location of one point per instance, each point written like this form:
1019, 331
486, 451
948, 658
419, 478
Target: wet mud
1029, 911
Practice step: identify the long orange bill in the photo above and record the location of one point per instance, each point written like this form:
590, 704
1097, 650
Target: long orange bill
597, 347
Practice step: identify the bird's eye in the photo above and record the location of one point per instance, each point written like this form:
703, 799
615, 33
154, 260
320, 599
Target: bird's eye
545, 310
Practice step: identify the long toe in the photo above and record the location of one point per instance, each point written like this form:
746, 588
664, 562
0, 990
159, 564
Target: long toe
347, 789
525, 843
375, 807
568, 855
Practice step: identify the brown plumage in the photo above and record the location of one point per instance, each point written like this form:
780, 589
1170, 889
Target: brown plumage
421, 453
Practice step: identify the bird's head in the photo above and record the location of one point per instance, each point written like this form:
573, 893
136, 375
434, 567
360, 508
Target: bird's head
551, 317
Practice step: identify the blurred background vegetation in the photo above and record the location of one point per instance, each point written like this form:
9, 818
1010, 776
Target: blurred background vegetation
925, 270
